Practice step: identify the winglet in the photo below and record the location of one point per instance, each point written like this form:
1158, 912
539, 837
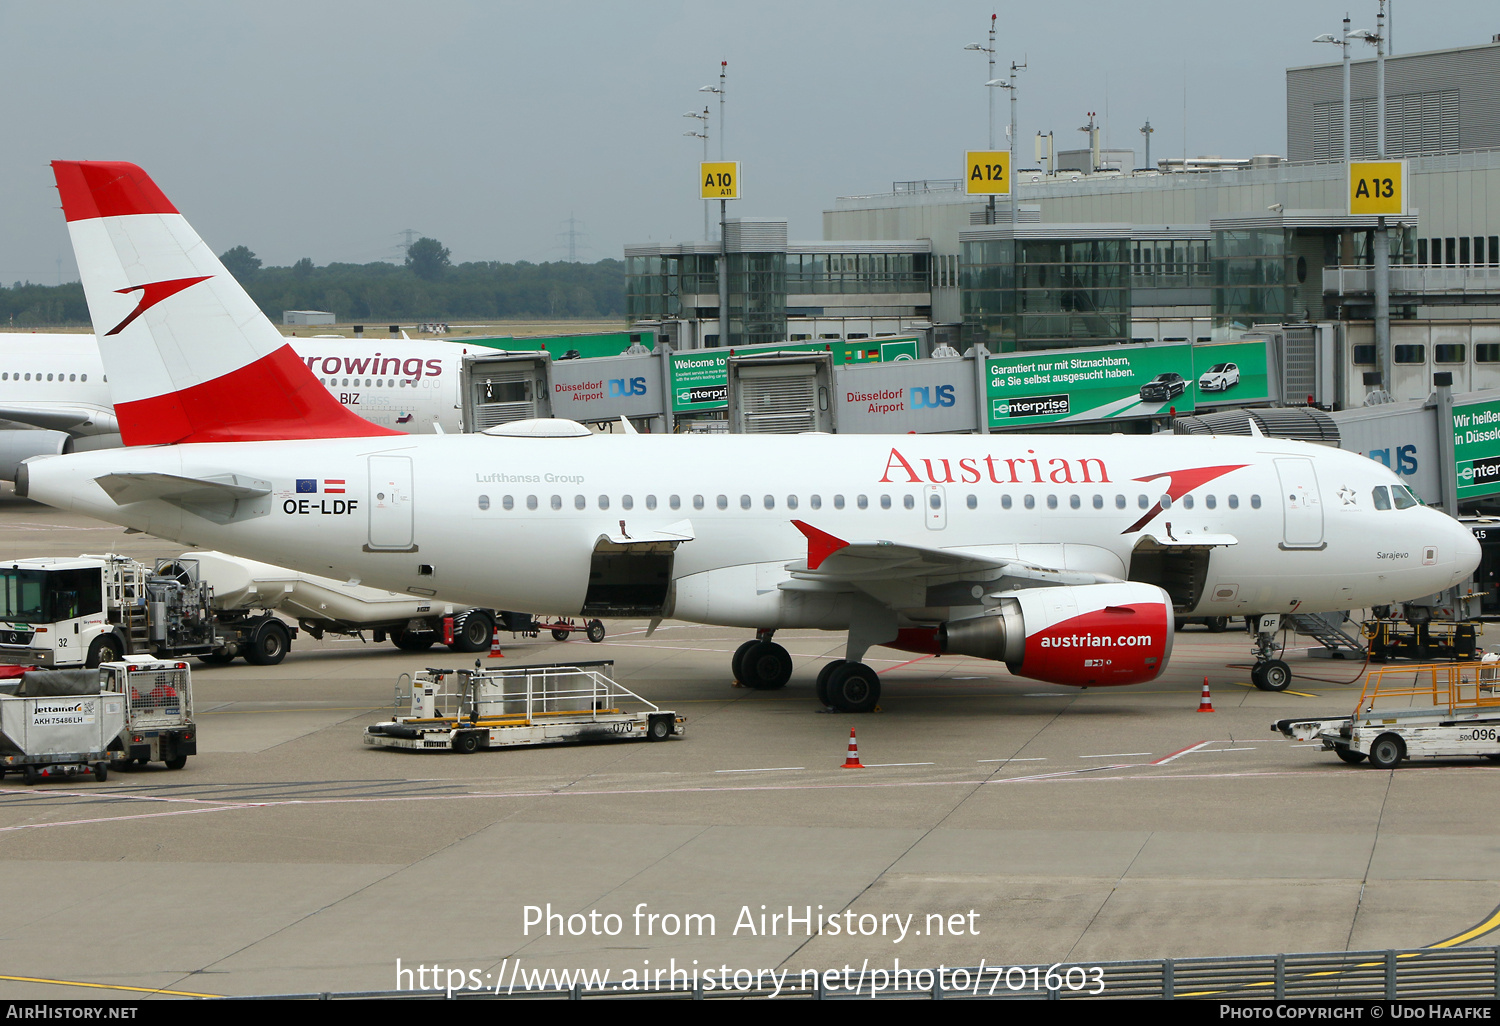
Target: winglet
820, 544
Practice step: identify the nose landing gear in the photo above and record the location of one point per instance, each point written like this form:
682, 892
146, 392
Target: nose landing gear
1268, 673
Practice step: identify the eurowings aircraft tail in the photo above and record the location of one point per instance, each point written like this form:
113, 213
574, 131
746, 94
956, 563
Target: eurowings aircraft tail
188, 354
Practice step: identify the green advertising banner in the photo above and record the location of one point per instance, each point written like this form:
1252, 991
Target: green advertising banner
1476, 448
1122, 382
700, 380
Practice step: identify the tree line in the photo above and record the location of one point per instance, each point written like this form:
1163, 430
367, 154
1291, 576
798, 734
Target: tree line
426, 287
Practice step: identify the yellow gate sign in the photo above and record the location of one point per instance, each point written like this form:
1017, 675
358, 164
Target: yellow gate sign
1377, 187
720, 179
988, 172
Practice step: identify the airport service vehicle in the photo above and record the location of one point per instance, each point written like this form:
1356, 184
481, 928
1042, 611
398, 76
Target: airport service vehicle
1163, 387
473, 710
57, 383
1413, 712
94, 609
1067, 557
54, 724
1221, 377
159, 723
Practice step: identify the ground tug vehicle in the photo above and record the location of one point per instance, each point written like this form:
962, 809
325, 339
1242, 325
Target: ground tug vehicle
471, 710
1414, 712
93, 609
56, 723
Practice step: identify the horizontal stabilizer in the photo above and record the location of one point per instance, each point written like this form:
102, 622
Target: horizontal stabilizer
128, 488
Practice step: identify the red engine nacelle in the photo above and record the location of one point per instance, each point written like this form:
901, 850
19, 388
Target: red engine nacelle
1093, 635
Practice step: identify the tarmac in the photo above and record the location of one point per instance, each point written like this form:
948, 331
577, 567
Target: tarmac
995, 819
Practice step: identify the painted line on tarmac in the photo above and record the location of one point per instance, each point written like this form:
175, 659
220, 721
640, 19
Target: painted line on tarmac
1012, 760
147, 815
1114, 755
109, 986
879, 765
1488, 925
1180, 753
763, 769
1300, 694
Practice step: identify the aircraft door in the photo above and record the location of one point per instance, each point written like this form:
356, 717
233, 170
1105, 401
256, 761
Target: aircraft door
390, 505
935, 507
1302, 509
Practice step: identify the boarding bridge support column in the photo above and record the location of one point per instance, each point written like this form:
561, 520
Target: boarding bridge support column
979, 355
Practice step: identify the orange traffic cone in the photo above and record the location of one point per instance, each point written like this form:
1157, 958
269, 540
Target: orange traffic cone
852, 761
495, 652
1206, 703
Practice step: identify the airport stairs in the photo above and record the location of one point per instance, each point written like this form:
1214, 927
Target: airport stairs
1329, 631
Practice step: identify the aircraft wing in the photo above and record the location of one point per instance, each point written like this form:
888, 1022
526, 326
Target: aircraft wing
128, 488
899, 574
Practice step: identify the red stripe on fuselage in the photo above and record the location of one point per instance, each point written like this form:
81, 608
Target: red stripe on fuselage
94, 188
275, 397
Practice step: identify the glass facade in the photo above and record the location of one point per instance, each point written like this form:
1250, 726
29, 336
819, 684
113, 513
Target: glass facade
655, 285
757, 298
1170, 264
1253, 276
1060, 293
856, 273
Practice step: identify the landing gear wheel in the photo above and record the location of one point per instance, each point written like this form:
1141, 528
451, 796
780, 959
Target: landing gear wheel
596, 631
737, 661
1349, 755
173, 764
1218, 624
222, 657
413, 641
823, 677
558, 635
473, 633
1387, 751
1271, 675
106, 649
268, 645
766, 667
853, 688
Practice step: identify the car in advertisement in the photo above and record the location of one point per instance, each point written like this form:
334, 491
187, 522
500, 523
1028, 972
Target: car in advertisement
1163, 387
1221, 377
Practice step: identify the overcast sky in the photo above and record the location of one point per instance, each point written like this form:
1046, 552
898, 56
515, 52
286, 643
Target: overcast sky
324, 129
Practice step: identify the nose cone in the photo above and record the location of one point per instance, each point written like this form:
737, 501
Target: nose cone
1466, 551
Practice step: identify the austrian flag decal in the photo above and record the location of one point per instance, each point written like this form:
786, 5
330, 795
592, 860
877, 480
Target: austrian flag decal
330, 486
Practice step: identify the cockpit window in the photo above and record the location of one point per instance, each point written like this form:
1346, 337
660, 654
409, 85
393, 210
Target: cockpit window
1405, 497
1382, 498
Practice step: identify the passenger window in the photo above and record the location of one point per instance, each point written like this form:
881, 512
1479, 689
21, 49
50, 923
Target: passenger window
1120, 502
744, 502
579, 502
1143, 502
863, 502
1210, 501
1005, 502
838, 502
722, 501
650, 502
1255, 502
1187, 502
604, 502
815, 501
1074, 502
885, 502
1166, 502
484, 502
508, 502
1029, 502
791, 502
770, 501
973, 502
1382, 498
1234, 502
531, 502
697, 502
1098, 502
910, 502
935, 500
626, 502
1051, 502
557, 502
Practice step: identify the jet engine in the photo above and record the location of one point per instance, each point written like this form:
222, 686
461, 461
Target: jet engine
1092, 635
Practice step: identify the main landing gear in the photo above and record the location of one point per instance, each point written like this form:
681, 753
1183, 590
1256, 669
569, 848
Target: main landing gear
846, 685
762, 664
1268, 673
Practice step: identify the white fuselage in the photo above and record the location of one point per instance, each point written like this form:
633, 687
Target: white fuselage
513, 523
410, 385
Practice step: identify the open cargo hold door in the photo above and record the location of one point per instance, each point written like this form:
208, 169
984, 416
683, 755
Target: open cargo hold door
631, 573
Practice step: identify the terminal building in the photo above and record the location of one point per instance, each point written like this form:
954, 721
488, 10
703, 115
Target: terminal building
1188, 256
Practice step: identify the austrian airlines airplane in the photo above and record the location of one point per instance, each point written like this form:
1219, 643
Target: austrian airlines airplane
57, 382
1064, 556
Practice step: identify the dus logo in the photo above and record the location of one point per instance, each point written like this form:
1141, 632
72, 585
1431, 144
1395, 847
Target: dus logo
621, 387
1405, 459
932, 398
